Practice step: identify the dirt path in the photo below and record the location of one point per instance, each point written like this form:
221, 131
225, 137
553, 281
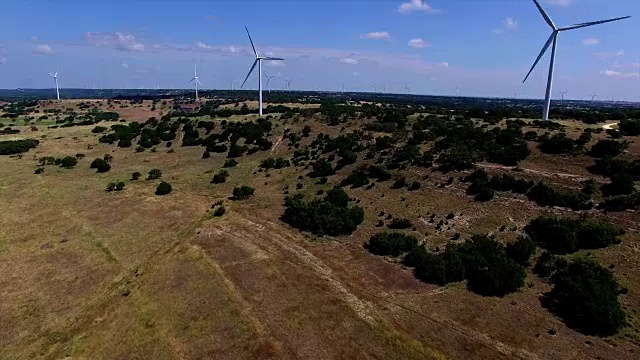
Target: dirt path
277, 143
610, 126
537, 172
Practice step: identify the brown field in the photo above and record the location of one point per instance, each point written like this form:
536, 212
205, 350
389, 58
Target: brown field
90, 274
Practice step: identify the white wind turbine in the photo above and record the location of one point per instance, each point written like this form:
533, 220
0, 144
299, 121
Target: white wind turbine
195, 80
258, 62
554, 39
55, 77
269, 77
562, 94
289, 80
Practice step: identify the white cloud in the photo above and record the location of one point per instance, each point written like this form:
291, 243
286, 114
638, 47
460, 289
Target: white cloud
610, 73
349, 61
34, 38
591, 41
607, 55
117, 40
3, 59
418, 43
355, 73
125, 65
561, 2
613, 73
43, 49
508, 24
273, 63
201, 45
415, 6
376, 35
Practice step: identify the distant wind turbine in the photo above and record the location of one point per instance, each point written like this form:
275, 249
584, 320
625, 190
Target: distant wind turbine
458, 91
269, 77
594, 96
407, 89
231, 84
55, 77
195, 80
554, 39
562, 94
258, 62
289, 79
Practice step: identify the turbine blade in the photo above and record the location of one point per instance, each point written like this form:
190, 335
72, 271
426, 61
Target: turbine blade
544, 50
578, 26
192, 80
199, 82
250, 71
272, 58
254, 48
544, 15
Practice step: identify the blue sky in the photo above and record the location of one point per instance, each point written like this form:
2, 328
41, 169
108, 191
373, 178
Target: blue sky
484, 47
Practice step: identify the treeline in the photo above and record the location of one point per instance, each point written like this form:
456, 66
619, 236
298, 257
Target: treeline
11, 147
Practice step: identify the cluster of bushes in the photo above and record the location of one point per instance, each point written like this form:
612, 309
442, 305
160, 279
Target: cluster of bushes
242, 192
630, 127
154, 174
101, 165
608, 148
220, 177
113, 186
330, 215
358, 178
482, 261
585, 296
566, 236
391, 244
11, 147
483, 187
271, 163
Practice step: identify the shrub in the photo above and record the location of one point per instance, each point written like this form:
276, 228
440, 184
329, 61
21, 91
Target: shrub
400, 223
154, 174
566, 236
621, 184
621, 203
111, 186
219, 211
608, 148
549, 264
331, 215
136, 175
630, 127
206, 155
585, 296
119, 186
220, 177
99, 129
100, 165
521, 250
322, 168
68, 162
11, 147
163, 188
229, 163
390, 244
242, 192
558, 144
414, 186
356, 179
399, 183
481, 260
39, 170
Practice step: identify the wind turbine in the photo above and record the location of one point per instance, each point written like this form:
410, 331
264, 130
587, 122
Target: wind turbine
554, 39
562, 94
407, 89
269, 77
195, 80
55, 77
258, 62
458, 91
289, 80
231, 84
593, 97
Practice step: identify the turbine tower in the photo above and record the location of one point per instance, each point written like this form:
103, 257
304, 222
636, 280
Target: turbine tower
55, 77
231, 84
562, 94
269, 77
554, 39
195, 80
258, 62
407, 88
289, 80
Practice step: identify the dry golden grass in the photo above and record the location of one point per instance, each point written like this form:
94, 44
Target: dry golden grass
98, 275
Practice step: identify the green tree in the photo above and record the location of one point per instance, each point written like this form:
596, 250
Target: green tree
163, 188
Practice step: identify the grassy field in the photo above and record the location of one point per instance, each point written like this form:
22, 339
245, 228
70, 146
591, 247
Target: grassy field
90, 274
